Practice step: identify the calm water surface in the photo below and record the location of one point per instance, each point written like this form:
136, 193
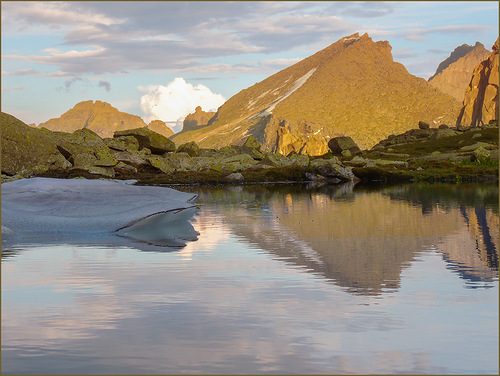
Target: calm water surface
282, 279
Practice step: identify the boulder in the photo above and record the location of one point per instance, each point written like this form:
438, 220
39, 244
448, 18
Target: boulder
423, 125
237, 163
357, 161
131, 159
125, 169
481, 154
162, 164
331, 168
124, 143
190, 148
235, 176
86, 150
146, 138
252, 143
339, 144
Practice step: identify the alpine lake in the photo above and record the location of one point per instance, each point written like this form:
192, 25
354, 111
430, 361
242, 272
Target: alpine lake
282, 279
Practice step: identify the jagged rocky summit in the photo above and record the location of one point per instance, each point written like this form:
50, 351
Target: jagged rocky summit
101, 118
351, 88
480, 105
454, 73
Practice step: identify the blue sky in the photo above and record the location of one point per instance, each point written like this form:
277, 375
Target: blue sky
55, 54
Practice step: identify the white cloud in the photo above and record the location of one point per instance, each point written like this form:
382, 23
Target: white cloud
176, 100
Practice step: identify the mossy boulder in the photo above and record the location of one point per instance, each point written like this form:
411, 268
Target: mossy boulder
146, 138
339, 144
162, 164
26, 150
191, 148
123, 143
331, 168
85, 150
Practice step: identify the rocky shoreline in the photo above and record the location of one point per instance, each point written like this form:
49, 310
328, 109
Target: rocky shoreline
424, 154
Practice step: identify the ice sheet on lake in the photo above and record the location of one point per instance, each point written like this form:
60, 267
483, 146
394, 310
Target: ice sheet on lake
45, 210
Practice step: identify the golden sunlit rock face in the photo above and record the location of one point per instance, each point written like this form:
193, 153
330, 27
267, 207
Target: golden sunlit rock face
480, 105
353, 87
102, 118
454, 74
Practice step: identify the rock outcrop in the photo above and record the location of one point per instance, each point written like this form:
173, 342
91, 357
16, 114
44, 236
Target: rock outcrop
453, 74
27, 150
101, 118
351, 88
146, 138
197, 119
480, 105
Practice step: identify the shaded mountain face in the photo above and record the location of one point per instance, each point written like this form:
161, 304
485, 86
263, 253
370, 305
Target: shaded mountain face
454, 74
480, 105
100, 117
353, 87
198, 118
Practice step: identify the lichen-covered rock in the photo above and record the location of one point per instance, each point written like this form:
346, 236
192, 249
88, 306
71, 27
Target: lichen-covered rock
125, 169
85, 150
481, 154
190, 148
252, 143
162, 164
155, 142
124, 143
131, 159
480, 104
27, 150
339, 144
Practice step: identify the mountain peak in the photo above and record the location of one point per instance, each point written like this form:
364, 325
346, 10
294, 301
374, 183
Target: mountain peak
352, 87
456, 54
98, 116
454, 73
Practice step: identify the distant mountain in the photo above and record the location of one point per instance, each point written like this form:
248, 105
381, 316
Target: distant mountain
197, 119
160, 127
353, 87
453, 74
102, 118
480, 104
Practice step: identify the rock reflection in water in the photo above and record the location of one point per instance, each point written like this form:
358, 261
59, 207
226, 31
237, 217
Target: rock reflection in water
362, 239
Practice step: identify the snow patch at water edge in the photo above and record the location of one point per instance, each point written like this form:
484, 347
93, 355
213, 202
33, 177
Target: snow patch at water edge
50, 210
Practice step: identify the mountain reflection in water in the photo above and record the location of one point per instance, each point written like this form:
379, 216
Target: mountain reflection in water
362, 239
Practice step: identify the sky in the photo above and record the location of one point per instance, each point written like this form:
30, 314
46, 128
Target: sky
159, 60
